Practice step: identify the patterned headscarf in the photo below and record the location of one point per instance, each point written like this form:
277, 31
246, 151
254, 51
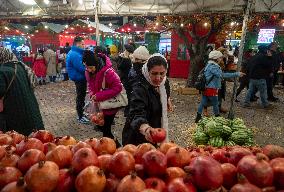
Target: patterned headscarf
5, 55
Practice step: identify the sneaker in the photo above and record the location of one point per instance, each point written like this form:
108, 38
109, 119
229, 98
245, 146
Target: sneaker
84, 120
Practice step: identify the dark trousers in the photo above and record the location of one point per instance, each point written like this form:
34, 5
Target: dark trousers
52, 78
106, 128
65, 76
269, 84
81, 87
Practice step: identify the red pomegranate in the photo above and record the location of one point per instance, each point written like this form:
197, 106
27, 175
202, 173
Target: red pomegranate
80, 145
155, 183
273, 151
29, 143
83, 158
9, 160
236, 154
244, 186
174, 172
255, 149
16, 186
131, 183
2, 151
29, 158
268, 189
139, 170
43, 135
9, 148
206, 173
178, 157
61, 155
121, 164
42, 177
92, 142
154, 163
48, 147
6, 139
66, 140
141, 150
256, 170
17, 137
90, 179
220, 155
104, 161
164, 147
8, 175
105, 146
150, 190
130, 148
180, 185
277, 165
66, 181
229, 175
158, 135
111, 183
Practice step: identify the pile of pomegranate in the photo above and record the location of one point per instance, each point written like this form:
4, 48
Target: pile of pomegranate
43, 163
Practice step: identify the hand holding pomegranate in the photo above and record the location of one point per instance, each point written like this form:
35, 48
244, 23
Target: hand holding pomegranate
154, 135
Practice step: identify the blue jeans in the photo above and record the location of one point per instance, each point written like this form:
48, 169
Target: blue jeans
260, 85
204, 103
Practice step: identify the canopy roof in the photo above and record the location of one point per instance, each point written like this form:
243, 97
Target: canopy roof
16, 8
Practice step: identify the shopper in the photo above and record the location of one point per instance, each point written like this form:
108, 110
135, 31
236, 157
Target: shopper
39, 67
50, 60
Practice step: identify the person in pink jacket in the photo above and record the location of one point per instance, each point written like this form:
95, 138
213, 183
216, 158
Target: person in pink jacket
39, 67
98, 66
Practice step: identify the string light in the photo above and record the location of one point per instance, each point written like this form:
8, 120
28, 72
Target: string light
181, 25
6, 28
134, 24
26, 26
110, 24
46, 2
66, 26
80, 2
157, 24
205, 24
45, 26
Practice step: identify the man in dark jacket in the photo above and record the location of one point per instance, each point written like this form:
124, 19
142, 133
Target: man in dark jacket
76, 72
260, 68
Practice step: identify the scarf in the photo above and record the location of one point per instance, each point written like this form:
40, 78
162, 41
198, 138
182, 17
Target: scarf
162, 92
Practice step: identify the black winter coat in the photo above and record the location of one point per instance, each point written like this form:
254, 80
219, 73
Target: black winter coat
260, 66
145, 107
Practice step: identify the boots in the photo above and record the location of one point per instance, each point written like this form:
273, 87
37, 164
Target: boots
198, 117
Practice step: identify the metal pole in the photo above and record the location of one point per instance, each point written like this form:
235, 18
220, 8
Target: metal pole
97, 23
250, 4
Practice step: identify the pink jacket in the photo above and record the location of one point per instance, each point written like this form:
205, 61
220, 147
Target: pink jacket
113, 85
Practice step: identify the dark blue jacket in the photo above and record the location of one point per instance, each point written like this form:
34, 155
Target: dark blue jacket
74, 64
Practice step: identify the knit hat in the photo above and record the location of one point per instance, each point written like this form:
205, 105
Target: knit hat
113, 50
215, 54
129, 48
141, 53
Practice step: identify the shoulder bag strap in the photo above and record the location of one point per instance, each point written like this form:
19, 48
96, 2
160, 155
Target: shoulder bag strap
10, 82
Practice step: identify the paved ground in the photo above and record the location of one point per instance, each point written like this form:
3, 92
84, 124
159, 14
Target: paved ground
57, 103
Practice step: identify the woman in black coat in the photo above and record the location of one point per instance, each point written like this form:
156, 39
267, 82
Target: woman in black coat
149, 103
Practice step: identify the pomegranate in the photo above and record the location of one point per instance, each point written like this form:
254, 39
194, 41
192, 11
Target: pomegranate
111, 183
154, 163
121, 164
155, 183
2, 151
83, 158
92, 142
164, 147
29, 143
268, 189
9, 160
8, 175
6, 139
66, 140
194, 154
29, 158
178, 157
236, 154
220, 155
229, 175
48, 147
43, 135
244, 186
61, 155
277, 165
174, 172
66, 181
130, 148
150, 190
255, 149
16, 186
180, 185
42, 177
139, 170
17, 137
273, 151
131, 183
105, 146
90, 179
9, 148
158, 135
256, 170
104, 161
141, 149
206, 172
80, 145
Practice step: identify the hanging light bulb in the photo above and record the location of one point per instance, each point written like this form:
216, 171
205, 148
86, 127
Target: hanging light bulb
89, 25
157, 24
66, 26
110, 24
205, 24
46, 2
232, 23
45, 26
64, 2
181, 25
104, 1
26, 26
80, 2
134, 24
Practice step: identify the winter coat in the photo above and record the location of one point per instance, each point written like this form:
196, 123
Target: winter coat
145, 107
74, 64
260, 66
21, 111
50, 60
213, 71
113, 84
123, 66
39, 66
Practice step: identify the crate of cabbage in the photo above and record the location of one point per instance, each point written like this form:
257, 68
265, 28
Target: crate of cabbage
218, 132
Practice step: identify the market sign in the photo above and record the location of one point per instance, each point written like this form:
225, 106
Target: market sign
266, 36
